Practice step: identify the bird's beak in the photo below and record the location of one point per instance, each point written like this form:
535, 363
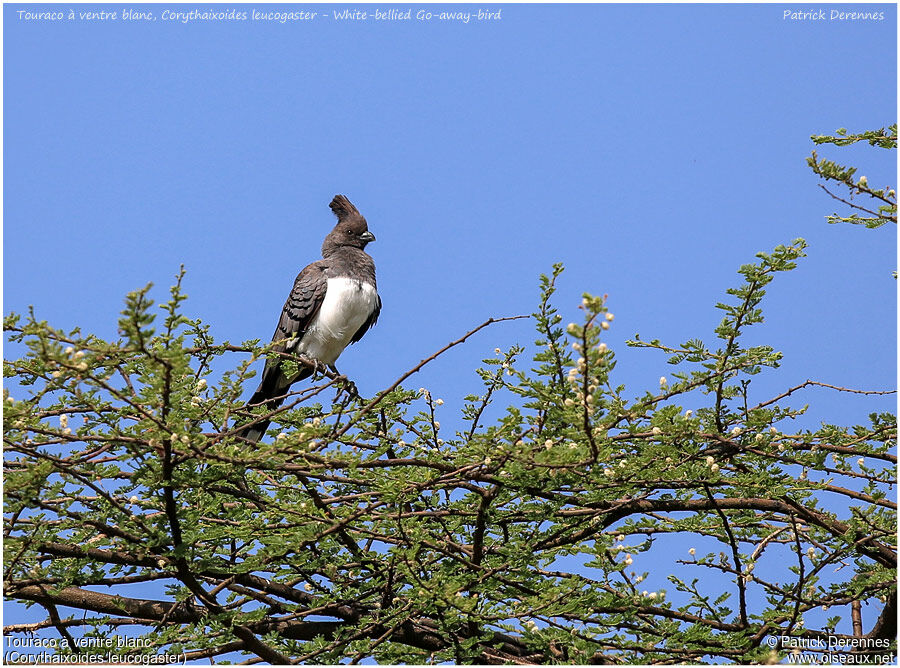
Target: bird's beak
367, 236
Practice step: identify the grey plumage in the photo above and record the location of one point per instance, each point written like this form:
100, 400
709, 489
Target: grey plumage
334, 302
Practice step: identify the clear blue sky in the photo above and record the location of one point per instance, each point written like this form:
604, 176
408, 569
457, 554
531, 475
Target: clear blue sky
652, 149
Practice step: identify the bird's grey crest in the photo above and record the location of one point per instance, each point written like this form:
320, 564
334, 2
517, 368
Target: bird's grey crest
351, 229
343, 208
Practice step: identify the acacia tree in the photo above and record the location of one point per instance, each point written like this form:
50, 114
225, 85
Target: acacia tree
879, 205
362, 529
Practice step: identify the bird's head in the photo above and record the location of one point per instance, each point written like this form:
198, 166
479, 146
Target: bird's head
351, 229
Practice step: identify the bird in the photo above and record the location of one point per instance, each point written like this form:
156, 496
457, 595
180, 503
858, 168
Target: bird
333, 303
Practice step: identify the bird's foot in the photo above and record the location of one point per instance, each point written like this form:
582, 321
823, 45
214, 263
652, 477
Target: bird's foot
350, 388
346, 386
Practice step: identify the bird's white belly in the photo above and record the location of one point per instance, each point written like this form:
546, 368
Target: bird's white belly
347, 305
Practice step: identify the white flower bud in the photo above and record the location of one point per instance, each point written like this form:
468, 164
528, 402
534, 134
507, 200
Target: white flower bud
608, 472
714, 468
281, 436
602, 348
610, 317
710, 460
688, 413
863, 181
201, 384
572, 328
79, 354
69, 350
668, 460
656, 431
439, 402
437, 425
307, 587
569, 402
604, 325
663, 381
692, 552
736, 431
620, 538
861, 462
63, 420
82, 366
652, 595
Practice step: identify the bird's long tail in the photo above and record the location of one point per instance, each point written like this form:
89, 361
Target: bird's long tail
255, 431
270, 394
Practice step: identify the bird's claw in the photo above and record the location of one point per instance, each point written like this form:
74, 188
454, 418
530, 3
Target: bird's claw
348, 386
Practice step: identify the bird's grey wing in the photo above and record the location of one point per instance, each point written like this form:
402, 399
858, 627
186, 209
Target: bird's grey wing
370, 321
301, 307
